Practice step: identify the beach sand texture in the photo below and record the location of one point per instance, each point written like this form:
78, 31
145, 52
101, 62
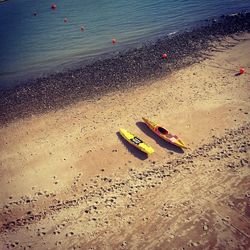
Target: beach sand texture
69, 181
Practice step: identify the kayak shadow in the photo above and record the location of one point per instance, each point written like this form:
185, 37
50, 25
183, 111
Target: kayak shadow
133, 150
144, 128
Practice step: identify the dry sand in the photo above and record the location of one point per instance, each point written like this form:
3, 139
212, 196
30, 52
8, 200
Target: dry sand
68, 181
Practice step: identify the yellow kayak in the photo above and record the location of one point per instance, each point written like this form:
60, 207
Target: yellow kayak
135, 141
164, 134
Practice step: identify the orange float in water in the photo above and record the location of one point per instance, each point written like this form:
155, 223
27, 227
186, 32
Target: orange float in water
114, 41
242, 71
164, 56
53, 6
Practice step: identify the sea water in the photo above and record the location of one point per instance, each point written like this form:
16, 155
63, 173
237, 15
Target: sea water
36, 40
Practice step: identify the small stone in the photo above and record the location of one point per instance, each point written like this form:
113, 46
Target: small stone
244, 162
194, 244
205, 227
124, 243
247, 195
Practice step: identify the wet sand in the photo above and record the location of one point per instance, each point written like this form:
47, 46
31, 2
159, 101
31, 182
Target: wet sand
68, 181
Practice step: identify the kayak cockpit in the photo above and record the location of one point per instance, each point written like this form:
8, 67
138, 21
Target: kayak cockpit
162, 130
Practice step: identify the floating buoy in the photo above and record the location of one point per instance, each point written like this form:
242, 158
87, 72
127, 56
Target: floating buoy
164, 56
65, 20
53, 6
82, 28
242, 71
35, 13
113, 41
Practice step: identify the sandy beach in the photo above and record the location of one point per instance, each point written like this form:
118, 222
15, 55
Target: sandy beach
69, 181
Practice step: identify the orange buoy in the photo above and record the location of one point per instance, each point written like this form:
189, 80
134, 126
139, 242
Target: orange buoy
65, 20
114, 41
242, 71
164, 56
53, 6
82, 28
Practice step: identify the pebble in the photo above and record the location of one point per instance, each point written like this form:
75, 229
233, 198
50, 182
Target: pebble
205, 227
195, 244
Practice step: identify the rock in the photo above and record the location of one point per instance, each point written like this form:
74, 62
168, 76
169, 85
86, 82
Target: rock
124, 243
244, 162
205, 227
195, 244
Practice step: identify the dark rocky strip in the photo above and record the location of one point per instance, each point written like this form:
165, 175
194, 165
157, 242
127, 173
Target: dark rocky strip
109, 190
123, 71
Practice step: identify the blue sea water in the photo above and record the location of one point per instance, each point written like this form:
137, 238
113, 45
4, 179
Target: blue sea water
35, 45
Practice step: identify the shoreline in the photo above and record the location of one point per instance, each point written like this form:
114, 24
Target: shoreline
124, 71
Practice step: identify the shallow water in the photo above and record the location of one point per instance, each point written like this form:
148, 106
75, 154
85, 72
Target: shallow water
31, 46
